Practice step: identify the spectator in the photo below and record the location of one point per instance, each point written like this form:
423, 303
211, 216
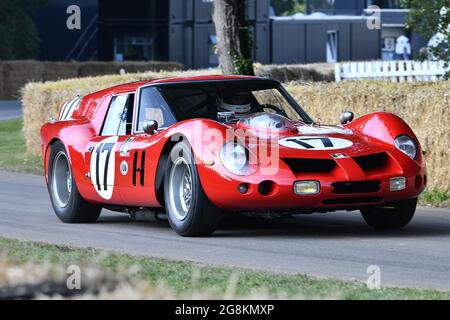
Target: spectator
403, 48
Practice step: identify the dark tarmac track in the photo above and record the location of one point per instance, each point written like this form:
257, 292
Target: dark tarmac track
338, 245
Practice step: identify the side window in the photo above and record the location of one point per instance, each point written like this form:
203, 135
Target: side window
152, 106
119, 118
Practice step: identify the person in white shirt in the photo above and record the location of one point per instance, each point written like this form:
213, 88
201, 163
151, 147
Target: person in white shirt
403, 48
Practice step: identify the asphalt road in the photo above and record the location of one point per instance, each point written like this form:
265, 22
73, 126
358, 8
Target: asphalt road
330, 245
10, 109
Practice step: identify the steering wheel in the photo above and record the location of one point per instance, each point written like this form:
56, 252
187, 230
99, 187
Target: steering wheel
276, 109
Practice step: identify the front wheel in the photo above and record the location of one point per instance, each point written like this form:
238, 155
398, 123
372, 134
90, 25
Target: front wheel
67, 202
394, 216
189, 210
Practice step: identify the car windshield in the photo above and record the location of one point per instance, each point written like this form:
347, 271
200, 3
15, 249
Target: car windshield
210, 99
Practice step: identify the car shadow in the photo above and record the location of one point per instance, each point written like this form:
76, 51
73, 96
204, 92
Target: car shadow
321, 226
325, 226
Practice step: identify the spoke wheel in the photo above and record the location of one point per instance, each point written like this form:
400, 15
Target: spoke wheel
189, 210
67, 202
61, 180
180, 190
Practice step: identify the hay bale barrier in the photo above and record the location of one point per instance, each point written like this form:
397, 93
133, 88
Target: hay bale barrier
424, 106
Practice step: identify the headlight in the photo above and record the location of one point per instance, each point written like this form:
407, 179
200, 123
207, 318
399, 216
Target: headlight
234, 157
407, 145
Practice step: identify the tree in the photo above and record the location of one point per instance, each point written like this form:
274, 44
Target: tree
431, 19
234, 45
18, 34
288, 7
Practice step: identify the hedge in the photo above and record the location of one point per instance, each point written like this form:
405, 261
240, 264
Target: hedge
318, 72
15, 74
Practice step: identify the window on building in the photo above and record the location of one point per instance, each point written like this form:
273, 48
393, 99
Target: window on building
385, 4
152, 106
332, 46
133, 47
327, 6
120, 114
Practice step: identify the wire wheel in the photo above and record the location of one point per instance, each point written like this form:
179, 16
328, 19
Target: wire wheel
180, 189
61, 180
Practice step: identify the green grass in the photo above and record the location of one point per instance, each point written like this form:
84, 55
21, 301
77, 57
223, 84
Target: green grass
435, 197
13, 155
177, 276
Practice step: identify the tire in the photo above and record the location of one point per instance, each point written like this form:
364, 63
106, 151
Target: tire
67, 202
396, 216
189, 210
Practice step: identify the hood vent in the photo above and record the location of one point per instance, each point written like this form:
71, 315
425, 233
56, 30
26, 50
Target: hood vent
371, 162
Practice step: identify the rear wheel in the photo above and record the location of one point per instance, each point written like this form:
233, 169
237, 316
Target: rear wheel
395, 216
67, 202
189, 210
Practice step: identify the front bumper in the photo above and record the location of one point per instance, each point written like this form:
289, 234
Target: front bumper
276, 193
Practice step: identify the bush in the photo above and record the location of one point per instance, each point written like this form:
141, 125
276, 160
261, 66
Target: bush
424, 106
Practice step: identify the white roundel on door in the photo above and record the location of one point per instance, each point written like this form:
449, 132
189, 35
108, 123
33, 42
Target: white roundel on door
315, 143
103, 167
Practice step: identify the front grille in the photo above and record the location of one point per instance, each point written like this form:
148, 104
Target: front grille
372, 161
310, 165
365, 200
349, 187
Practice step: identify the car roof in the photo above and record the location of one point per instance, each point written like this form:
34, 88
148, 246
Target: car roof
133, 86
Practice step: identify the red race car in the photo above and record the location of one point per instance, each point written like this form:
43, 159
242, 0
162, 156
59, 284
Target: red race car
199, 147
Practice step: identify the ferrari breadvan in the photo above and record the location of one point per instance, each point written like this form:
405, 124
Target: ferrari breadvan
197, 148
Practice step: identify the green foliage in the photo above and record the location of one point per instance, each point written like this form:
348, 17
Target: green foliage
429, 18
243, 66
288, 7
18, 33
435, 197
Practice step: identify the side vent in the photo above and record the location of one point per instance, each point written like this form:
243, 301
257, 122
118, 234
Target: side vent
135, 167
142, 169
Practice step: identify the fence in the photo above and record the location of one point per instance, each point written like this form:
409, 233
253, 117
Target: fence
395, 71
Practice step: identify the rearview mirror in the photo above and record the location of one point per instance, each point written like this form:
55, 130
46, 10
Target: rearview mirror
150, 126
347, 117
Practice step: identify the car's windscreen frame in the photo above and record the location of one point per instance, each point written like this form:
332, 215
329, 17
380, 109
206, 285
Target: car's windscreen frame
265, 84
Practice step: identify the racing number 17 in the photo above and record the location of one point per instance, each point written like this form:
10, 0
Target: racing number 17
108, 148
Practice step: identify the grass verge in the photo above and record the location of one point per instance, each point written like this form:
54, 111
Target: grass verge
435, 197
189, 280
13, 157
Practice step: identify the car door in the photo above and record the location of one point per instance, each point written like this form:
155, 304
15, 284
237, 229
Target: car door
101, 153
139, 153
